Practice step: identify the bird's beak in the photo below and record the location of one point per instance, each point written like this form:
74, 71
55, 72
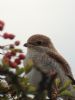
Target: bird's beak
26, 45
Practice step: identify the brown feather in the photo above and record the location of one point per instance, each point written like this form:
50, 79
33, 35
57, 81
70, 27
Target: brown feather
62, 61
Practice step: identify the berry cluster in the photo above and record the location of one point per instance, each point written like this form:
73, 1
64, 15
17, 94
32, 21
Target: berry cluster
11, 53
8, 36
17, 61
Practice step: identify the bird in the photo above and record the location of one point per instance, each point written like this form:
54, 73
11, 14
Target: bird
45, 56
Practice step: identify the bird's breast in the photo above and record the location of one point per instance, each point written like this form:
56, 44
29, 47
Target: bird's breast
45, 62
40, 59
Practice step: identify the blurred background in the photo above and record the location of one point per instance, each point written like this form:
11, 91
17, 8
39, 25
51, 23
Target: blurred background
54, 18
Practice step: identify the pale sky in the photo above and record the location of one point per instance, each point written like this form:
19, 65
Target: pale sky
54, 18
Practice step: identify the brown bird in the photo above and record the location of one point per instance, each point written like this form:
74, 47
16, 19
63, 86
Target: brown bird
45, 56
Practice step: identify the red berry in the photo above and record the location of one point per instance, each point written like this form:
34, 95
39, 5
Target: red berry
1, 25
18, 61
17, 43
5, 35
8, 54
11, 36
21, 56
13, 64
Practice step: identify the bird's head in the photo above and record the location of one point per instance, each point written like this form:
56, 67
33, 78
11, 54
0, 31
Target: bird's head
39, 41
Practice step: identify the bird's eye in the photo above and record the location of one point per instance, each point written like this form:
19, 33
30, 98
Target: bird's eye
39, 42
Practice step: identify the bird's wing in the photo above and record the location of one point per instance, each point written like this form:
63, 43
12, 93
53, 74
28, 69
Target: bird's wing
65, 66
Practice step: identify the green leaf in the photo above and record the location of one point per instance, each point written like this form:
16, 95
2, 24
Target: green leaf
66, 93
28, 66
31, 89
74, 87
20, 70
57, 82
66, 84
24, 81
